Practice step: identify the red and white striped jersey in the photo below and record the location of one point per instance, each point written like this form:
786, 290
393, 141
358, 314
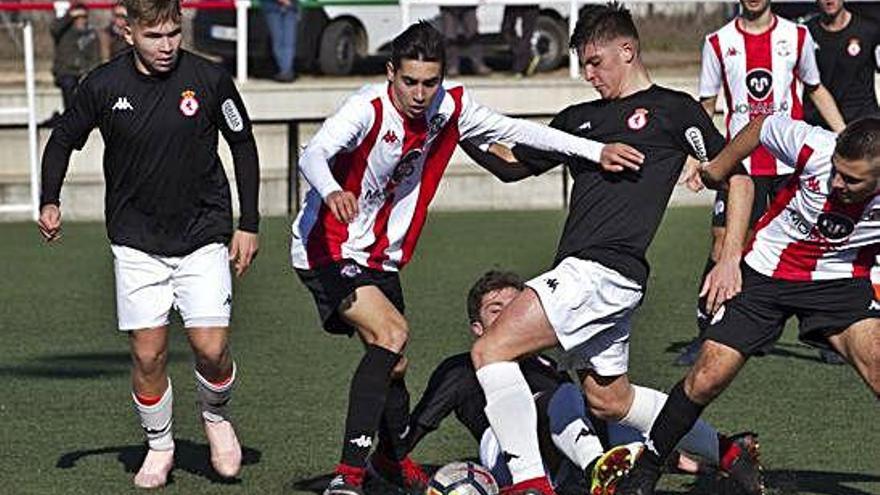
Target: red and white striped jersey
393, 165
760, 75
806, 233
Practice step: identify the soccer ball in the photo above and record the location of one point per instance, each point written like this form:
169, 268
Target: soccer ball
462, 478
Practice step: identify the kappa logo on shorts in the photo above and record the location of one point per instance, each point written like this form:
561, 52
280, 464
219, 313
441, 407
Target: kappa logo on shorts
228, 301
552, 283
507, 456
362, 441
350, 270
874, 306
584, 433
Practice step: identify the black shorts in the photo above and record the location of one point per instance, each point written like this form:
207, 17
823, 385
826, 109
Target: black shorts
766, 189
331, 284
753, 321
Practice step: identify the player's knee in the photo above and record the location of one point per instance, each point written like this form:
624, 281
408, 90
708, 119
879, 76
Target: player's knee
212, 354
394, 336
149, 360
703, 385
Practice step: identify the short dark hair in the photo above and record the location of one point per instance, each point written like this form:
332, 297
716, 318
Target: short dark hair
602, 23
152, 12
421, 42
490, 281
860, 140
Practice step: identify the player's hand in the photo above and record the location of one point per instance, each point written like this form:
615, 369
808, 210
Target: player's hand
721, 284
617, 157
690, 177
242, 250
343, 205
50, 222
709, 178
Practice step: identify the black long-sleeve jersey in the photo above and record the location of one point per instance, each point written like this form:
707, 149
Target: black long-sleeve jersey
613, 217
166, 193
453, 388
847, 62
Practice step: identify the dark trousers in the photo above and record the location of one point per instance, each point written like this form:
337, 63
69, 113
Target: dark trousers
520, 40
68, 84
459, 26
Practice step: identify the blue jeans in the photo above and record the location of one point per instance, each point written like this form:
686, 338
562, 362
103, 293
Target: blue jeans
282, 21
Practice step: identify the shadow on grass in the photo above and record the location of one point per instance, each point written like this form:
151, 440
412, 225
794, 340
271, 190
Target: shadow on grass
792, 350
194, 458
79, 366
782, 482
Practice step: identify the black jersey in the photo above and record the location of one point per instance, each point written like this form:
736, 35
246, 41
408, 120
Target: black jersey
847, 64
613, 216
453, 388
166, 191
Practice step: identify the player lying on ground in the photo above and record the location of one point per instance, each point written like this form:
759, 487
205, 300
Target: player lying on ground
574, 456
810, 257
169, 216
374, 167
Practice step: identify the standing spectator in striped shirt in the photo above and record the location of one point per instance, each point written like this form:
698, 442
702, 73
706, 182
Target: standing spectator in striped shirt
760, 61
374, 167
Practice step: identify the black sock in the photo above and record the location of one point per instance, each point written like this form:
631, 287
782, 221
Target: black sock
366, 401
393, 441
676, 419
703, 316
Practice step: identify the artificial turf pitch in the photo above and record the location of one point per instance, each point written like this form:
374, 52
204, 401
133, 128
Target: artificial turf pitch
67, 426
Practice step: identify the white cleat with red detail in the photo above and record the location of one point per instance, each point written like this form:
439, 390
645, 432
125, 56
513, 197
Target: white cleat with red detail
155, 469
225, 448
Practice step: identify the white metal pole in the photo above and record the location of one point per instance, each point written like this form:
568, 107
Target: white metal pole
241, 43
404, 14
573, 69
28, 33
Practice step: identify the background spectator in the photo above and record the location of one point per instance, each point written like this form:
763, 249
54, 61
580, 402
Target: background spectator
517, 27
113, 36
77, 50
459, 26
281, 18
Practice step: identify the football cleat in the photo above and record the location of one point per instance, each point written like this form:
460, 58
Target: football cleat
349, 480
638, 481
154, 471
740, 460
225, 448
611, 466
534, 486
405, 473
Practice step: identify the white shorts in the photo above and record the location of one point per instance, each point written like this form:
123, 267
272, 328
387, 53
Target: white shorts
148, 286
589, 306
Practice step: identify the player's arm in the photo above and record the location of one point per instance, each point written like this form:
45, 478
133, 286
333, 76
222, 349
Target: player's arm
480, 122
341, 131
440, 399
235, 125
715, 173
826, 105
71, 133
725, 279
498, 160
710, 74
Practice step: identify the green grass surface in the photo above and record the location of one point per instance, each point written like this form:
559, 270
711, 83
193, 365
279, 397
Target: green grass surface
66, 424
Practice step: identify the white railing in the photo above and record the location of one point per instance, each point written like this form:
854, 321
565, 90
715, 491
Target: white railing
29, 112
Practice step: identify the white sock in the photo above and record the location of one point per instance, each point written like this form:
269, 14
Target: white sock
213, 398
157, 420
701, 440
514, 418
579, 443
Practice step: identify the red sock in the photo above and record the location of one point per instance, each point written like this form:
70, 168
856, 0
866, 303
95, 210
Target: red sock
353, 475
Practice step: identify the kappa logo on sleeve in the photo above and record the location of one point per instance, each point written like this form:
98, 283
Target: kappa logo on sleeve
232, 115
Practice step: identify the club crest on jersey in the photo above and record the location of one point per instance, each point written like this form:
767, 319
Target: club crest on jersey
835, 226
638, 120
189, 105
853, 47
436, 123
783, 48
759, 82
